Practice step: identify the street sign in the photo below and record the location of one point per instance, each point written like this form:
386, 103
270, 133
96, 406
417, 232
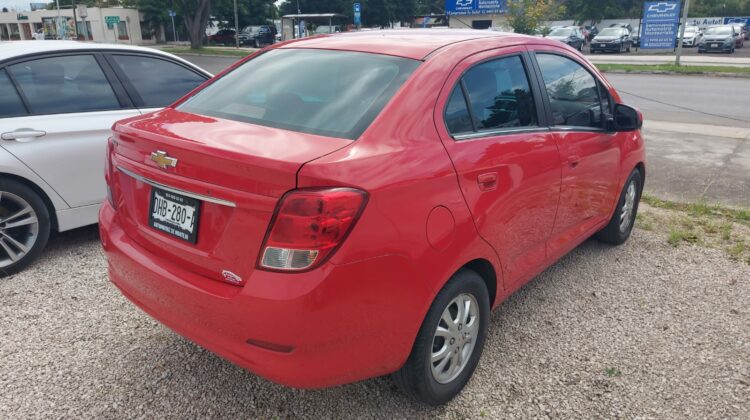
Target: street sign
357, 14
475, 7
111, 21
661, 19
172, 13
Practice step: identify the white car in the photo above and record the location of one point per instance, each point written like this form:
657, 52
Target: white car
58, 100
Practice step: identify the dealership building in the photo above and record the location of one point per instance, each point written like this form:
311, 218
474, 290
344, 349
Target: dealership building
112, 25
476, 14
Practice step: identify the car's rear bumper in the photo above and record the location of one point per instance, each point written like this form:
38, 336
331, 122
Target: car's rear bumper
330, 326
606, 48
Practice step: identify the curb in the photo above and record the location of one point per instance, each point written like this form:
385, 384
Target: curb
674, 73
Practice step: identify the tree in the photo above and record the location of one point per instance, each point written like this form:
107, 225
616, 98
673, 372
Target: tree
524, 16
249, 12
195, 14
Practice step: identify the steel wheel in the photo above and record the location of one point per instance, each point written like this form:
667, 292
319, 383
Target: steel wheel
626, 216
19, 228
454, 338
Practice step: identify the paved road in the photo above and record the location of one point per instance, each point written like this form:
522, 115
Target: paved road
721, 101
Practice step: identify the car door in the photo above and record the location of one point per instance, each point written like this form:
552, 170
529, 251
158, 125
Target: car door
492, 124
154, 81
72, 104
579, 107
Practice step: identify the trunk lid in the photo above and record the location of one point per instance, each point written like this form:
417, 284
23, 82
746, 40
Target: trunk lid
237, 171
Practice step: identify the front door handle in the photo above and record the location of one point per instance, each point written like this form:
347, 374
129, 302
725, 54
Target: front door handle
23, 134
488, 181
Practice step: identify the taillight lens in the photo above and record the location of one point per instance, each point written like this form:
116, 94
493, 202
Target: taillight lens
309, 225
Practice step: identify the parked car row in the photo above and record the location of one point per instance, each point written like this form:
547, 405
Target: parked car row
253, 36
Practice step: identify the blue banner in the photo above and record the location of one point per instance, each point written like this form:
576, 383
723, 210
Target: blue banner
475, 7
742, 21
357, 14
661, 19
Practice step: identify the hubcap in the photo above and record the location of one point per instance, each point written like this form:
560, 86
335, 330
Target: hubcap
454, 339
19, 228
626, 215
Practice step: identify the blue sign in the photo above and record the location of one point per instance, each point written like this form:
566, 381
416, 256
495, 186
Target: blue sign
475, 7
661, 19
357, 14
742, 21
172, 13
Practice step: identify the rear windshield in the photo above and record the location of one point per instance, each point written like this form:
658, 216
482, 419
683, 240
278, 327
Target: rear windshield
721, 30
329, 93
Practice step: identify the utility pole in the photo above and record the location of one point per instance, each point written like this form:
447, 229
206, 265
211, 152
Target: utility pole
236, 26
59, 25
682, 31
299, 11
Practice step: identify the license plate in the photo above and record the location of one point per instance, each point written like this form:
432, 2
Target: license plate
714, 45
602, 45
174, 214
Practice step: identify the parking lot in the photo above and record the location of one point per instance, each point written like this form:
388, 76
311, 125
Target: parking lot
646, 330
656, 328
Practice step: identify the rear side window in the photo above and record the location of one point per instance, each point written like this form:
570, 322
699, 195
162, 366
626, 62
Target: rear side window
65, 84
573, 92
330, 93
10, 103
499, 97
158, 82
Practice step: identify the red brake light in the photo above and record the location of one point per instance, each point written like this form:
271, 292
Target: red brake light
309, 225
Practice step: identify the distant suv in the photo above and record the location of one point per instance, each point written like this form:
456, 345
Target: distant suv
258, 36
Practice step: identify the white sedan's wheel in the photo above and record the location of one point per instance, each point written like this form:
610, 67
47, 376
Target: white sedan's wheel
24, 226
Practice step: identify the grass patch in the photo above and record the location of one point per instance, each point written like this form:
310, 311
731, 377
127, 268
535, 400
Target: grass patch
701, 209
209, 51
671, 68
613, 372
703, 224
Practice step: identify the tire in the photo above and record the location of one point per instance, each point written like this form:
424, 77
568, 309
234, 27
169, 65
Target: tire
416, 378
256, 44
628, 50
621, 225
21, 243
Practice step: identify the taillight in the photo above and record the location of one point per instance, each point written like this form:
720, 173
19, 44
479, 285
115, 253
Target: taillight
308, 226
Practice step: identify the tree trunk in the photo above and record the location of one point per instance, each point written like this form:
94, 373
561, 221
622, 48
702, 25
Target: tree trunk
196, 18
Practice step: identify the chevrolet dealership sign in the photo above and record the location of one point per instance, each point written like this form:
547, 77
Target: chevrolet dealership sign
475, 7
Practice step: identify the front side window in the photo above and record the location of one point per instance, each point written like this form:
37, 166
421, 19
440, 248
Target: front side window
499, 97
10, 103
573, 92
158, 82
65, 84
330, 93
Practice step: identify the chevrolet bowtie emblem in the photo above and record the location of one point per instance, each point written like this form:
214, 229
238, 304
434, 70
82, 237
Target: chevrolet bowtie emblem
164, 161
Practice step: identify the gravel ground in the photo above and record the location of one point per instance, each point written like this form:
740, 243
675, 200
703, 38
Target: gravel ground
645, 330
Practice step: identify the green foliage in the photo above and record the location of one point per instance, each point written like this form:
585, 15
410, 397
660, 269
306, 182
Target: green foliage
524, 16
249, 12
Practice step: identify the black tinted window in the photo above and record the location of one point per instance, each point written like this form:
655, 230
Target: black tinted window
10, 103
573, 92
457, 114
66, 84
500, 95
331, 93
158, 82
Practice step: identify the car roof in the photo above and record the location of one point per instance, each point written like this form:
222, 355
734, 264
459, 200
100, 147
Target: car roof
18, 49
409, 43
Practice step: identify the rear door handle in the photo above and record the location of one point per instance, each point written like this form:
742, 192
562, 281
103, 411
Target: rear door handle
23, 134
488, 181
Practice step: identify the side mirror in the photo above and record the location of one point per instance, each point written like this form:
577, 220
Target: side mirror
626, 118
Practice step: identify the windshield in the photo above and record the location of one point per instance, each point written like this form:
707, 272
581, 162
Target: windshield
719, 30
561, 32
611, 32
330, 93
690, 31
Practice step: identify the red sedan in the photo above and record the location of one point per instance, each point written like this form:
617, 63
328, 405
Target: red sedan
348, 206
